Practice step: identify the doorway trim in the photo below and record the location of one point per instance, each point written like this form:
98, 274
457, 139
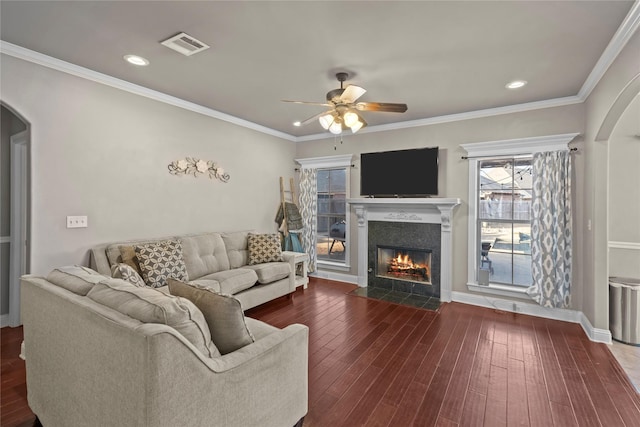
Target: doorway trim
19, 218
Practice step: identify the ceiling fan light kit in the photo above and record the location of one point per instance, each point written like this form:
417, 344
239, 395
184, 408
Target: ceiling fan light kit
336, 127
343, 111
326, 120
358, 125
351, 118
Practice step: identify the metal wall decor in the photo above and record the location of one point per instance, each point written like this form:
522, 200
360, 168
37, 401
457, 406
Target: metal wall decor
196, 167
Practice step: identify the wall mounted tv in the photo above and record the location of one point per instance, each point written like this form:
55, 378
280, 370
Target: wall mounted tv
401, 173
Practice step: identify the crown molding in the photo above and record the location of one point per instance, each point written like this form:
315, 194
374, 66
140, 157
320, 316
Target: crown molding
628, 27
516, 108
618, 41
75, 70
519, 145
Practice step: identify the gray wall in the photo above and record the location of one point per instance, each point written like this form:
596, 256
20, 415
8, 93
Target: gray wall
624, 193
10, 124
103, 152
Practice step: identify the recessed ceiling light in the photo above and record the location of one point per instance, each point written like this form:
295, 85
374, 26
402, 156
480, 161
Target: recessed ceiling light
297, 124
136, 60
516, 84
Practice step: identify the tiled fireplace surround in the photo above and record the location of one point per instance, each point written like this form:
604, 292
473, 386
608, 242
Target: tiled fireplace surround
412, 224
405, 235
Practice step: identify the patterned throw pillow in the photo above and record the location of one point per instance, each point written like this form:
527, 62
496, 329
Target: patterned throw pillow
160, 261
127, 273
264, 248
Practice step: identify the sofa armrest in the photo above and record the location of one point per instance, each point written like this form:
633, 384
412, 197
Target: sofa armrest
272, 342
264, 383
98, 260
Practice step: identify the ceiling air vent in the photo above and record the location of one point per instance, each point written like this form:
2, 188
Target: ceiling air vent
185, 44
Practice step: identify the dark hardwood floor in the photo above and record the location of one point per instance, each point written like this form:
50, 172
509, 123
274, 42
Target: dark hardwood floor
375, 363
14, 410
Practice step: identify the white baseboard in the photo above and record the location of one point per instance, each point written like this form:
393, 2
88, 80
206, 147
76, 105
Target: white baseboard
4, 320
522, 307
532, 309
594, 334
338, 277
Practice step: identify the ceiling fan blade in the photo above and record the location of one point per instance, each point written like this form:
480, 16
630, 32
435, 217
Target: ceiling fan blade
381, 106
324, 104
351, 93
312, 118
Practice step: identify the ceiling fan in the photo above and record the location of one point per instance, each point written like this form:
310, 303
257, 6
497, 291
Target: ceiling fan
344, 108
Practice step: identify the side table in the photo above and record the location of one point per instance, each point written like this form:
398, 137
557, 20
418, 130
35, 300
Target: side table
299, 263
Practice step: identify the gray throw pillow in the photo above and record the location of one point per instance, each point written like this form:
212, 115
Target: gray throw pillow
160, 261
223, 314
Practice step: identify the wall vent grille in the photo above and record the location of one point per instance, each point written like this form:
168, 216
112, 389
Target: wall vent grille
185, 44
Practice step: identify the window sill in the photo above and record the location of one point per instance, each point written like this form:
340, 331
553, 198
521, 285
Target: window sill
340, 266
502, 290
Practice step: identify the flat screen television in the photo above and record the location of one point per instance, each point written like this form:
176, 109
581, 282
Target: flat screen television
401, 173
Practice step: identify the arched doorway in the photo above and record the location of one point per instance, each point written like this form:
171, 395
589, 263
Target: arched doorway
621, 130
14, 218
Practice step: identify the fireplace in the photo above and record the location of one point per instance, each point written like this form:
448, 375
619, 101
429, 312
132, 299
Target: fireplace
411, 265
407, 223
404, 257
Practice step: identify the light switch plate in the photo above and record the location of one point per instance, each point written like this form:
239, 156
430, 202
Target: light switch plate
77, 221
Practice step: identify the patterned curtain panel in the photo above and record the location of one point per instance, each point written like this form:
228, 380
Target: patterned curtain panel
551, 229
308, 209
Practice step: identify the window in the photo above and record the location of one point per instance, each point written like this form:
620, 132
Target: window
500, 191
332, 219
504, 220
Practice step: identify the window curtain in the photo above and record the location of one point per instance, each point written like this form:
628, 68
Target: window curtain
308, 202
551, 229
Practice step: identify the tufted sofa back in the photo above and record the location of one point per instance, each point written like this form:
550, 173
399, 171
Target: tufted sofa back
204, 254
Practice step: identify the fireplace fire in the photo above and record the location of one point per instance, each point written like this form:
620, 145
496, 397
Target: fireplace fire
413, 265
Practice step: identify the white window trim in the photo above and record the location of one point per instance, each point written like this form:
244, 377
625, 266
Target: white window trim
328, 162
510, 147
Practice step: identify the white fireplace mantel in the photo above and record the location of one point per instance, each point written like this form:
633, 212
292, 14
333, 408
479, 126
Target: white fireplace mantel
427, 210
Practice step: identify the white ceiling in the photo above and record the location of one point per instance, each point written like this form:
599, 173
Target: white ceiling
440, 58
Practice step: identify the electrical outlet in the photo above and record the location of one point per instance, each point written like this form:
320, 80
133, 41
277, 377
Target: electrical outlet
77, 221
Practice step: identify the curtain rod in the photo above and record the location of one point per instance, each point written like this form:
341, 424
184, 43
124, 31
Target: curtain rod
510, 155
337, 167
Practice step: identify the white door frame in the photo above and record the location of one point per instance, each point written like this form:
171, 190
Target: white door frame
18, 251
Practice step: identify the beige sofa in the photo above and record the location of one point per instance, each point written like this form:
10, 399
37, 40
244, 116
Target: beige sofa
220, 261
89, 364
